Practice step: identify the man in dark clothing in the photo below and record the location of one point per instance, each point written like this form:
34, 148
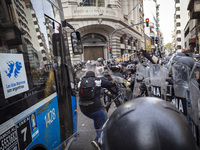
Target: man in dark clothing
92, 108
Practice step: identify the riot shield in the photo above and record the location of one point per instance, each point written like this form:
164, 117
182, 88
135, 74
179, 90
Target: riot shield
99, 70
180, 74
126, 92
180, 77
158, 76
142, 73
193, 108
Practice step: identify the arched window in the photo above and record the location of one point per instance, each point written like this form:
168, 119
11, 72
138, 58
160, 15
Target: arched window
93, 38
129, 42
121, 40
98, 3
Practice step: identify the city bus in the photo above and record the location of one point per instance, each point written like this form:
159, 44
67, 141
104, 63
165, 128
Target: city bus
37, 101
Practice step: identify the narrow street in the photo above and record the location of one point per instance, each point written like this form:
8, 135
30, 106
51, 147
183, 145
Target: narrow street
86, 131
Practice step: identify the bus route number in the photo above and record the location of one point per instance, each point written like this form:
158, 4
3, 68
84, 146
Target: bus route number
24, 133
50, 117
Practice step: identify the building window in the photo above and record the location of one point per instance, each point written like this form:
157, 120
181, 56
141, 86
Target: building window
121, 40
177, 1
43, 51
35, 23
41, 44
178, 32
33, 15
187, 31
178, 16
179, 39
129, 42
93, 38
178, 24
37, 30
177, 8
101, 3
179, 47
98, 3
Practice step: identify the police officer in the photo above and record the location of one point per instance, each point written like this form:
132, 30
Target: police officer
100, 62
147, 124
131, 70
197, 57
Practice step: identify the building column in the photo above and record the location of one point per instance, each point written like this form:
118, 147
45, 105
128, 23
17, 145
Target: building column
116, 47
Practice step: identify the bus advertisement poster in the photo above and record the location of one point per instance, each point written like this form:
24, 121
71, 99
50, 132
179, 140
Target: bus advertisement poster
13, 74
34, 126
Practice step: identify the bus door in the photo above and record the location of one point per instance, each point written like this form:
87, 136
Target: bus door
35, 103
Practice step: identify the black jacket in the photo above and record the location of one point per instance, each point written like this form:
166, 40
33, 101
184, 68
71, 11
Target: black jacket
96, 102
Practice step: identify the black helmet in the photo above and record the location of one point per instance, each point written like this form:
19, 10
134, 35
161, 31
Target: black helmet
135, 61
175, 59
188, 61
107, 61
180, 54
106, 73
123, 64
147, 124
100, 60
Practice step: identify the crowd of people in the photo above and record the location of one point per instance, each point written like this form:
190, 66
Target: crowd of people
101, 82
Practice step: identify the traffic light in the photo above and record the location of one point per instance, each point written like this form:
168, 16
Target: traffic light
110, 48
147, 22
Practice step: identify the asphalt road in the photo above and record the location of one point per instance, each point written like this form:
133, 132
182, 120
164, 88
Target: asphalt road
86, 131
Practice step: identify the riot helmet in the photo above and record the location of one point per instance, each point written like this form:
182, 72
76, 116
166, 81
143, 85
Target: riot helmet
123, 64
175, 59
187, 61
197, 57
147, 123
107, 62
180, 54
135, 61
100, 62
131, 68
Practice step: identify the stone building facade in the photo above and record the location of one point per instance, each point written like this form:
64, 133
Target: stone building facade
97, 19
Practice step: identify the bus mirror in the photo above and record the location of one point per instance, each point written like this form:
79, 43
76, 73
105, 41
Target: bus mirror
76, 43
56, 44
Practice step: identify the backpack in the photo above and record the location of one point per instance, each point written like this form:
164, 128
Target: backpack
87, 89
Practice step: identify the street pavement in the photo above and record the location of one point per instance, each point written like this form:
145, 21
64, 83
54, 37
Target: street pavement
86, 131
